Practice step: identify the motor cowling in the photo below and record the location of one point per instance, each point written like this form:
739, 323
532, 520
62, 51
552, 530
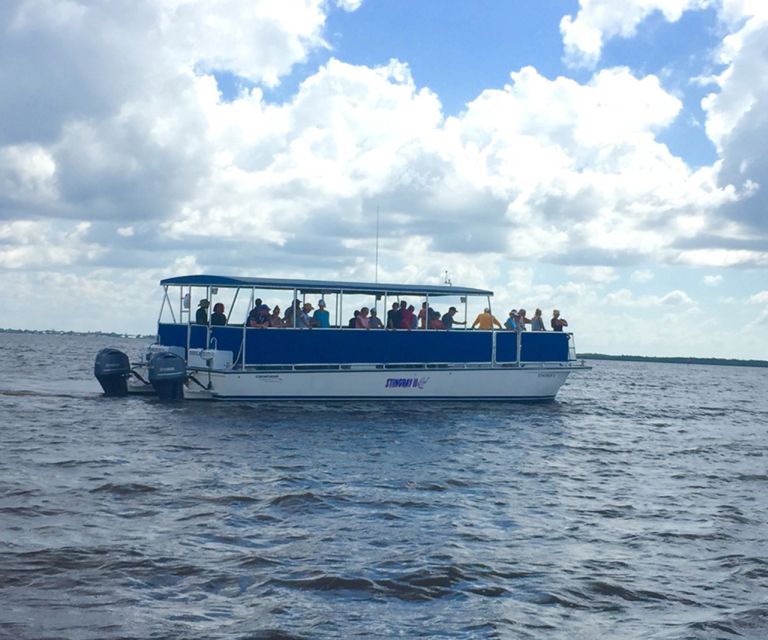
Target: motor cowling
112, 369
167, 373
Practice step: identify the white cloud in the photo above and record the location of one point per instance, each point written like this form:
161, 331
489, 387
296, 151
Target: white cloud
712, 281
642, 275
626, 298
600, 20
601, 275
759, 298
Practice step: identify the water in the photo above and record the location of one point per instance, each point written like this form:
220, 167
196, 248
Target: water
633, 507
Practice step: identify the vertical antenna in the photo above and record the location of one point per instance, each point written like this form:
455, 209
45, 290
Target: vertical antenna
376, 272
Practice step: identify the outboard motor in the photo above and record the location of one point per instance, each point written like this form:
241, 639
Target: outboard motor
112, 369
167, 373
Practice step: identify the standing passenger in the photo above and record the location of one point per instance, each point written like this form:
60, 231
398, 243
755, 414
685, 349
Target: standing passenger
486, 320
321, 317
449, 318
537, 323
511, 322
557, 322
522, 320
393, 322
201, 317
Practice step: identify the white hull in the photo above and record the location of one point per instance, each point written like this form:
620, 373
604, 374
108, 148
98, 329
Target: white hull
498, 383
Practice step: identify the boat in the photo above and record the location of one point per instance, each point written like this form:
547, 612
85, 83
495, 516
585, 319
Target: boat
235, 361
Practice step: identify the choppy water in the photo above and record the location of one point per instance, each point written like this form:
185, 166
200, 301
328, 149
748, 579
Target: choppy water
636, 506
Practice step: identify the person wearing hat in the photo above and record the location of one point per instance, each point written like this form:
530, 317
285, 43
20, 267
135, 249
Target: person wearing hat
303, 320
263, 318
321, 318
511, 323
201, 317
449, 318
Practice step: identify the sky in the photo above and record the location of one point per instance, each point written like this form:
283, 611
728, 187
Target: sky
600, 157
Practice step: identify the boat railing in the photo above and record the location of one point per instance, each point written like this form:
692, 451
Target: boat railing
252, 347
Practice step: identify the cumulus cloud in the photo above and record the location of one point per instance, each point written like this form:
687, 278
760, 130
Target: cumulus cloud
712, 281
737, 123
599, 20
120, 158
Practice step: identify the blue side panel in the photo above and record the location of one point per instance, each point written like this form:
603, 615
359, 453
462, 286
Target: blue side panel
544, 346
350, 346
506, 346
172, 335
280, 346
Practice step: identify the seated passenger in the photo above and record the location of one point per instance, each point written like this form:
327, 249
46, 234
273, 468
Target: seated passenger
251, 319
353, 320
263, 319
486, 320
321, 318
361, 321
537, 322
275, 320
374, 322
434, 319
217, 317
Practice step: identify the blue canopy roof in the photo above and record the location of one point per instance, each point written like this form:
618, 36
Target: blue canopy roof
323, 286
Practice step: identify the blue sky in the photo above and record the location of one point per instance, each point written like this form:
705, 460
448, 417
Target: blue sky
600, 157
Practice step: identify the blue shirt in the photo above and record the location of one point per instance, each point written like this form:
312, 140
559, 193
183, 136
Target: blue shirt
322, 318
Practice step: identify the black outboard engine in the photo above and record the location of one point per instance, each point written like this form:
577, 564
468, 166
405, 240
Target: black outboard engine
112, 369
167, 374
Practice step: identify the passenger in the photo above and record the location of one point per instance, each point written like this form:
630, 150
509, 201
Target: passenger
522, 320
263, 319
511, 323
537, 322
217, 317
407, 317
201, 317
393, 316
353, 320
251, 320
434, 319
294, 311
275, 320
321, 318
374, 322
557, 322
449, 318
361, 321
303, 321
423, 315
486, 320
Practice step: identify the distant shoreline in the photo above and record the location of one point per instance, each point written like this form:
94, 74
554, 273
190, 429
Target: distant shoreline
58, 332
725, 362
